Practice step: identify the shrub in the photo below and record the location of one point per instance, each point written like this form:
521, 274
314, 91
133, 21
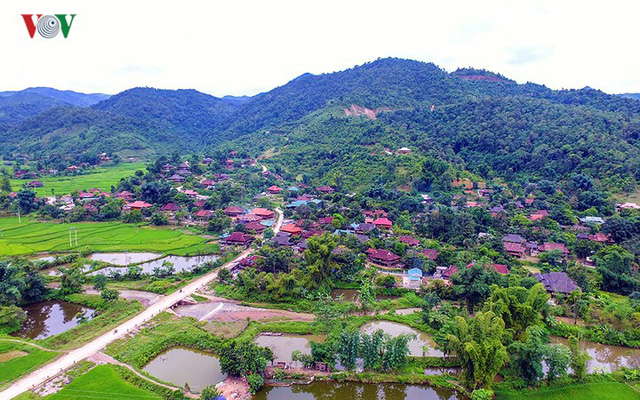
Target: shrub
256, 382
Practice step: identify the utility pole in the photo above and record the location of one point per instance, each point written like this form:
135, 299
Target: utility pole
19, 219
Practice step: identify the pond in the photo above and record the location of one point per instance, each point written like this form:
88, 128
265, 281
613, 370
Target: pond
124, 259
282, 346
179, 264
606, 357
355, 391
415, 346
49, 318
55, 271
181, 365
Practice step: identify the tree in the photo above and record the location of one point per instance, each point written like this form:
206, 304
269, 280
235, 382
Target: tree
579, 359
256, 382
12, 284
224, 275
243, 357
526, 356
99, 282
614, 263
518, 307
71, 281
209, 393
111, 210
478, 345
156, 192
367, 293
36, 286
318, 257
159, 219
11, 318
557, 358
132, 217
472, 284
396, 350
348, 345
5, 184
27, 200
580, 304
109, 295
218, 222
306, 360
371, 349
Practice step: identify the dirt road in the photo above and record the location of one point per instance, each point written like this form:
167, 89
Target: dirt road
47, 371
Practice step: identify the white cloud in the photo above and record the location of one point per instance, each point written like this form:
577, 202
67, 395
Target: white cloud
248, 46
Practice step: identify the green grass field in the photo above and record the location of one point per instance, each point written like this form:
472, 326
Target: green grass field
101, 178
16, 367
34, 237
102, 382
587, 391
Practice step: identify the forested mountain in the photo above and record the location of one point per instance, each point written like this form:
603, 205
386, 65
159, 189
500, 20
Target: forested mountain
470, 119
635, 96
15, 106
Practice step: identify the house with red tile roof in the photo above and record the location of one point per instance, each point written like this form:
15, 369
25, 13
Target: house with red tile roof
139, 205
233, 211
237, 239
325, 220
500, 268
536, 217
410, 240
383, 257
291, 229
262, 213
274, 189
431, 254
170, 207
125, 195
514, 249
257, 227
383, 223
325, 189
204, 214
246, 218
550, 246
208, 183
601, 238
447, 273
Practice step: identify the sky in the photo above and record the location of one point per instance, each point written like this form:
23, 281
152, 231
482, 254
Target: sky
244, 47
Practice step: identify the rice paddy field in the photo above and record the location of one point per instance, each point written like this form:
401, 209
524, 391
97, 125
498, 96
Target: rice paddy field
101, 178
587, 391
102, 382
16, 359
30, 237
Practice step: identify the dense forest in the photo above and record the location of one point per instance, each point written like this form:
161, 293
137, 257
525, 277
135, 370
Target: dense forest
472, 120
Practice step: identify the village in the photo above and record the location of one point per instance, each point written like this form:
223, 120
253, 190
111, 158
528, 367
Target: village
289, 251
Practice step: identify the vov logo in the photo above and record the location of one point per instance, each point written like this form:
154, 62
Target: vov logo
48, 26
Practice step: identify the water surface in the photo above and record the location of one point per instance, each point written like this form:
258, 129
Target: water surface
605, 357
283, 346
49, 318
180, 365
355, 391
123, 259
415, 346
179, 264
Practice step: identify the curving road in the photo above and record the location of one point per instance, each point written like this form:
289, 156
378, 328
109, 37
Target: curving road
47, 371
